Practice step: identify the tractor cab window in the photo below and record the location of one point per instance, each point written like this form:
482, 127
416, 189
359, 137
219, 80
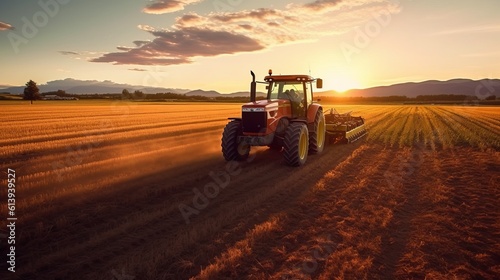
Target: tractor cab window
293, 91
286, 90
309, 93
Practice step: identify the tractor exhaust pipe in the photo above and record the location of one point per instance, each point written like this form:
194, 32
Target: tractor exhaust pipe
253, 88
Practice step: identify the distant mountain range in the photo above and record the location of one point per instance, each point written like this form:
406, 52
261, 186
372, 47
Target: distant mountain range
90, 87
481, 88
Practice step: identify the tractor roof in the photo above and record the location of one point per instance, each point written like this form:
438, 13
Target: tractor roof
289, 78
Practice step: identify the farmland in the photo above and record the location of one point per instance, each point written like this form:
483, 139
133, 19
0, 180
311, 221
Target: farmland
108, 190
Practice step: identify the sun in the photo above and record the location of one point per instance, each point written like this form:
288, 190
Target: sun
343, 82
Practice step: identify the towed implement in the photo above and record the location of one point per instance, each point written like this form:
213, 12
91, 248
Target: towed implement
344, 127
288, 120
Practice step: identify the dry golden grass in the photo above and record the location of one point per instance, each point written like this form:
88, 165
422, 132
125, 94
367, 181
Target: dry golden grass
100, 184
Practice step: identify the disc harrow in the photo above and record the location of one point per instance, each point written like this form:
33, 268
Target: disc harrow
344, 127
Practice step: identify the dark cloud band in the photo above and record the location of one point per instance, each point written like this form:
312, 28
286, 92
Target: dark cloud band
179, 46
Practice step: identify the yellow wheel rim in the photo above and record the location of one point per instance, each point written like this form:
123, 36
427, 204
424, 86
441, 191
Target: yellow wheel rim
302, 146
321, 133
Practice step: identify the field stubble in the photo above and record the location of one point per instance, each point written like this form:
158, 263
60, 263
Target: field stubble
100, 187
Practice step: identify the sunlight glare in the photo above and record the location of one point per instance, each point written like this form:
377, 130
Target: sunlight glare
342, 82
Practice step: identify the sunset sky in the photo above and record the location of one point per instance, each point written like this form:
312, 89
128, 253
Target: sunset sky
213, 44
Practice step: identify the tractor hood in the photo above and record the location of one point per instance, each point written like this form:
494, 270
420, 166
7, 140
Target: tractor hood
262, 117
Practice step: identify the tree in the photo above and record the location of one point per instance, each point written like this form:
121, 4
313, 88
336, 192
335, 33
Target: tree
126, 94
138, 94
491, 97
31, 91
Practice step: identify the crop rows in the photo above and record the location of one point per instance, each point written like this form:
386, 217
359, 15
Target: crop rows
108, 178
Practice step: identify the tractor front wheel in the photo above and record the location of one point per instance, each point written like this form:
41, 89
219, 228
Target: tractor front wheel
231, 149
296, 144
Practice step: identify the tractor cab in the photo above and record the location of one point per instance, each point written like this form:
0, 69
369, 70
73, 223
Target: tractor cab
296, 89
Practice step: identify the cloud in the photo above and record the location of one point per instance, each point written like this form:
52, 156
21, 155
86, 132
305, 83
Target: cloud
145, 27
5, 26
82, 55
140, 43
258, 14
68, 53
246, 26
179, 46
168, 6
138, 69
193, 35
189, 19
122, 48
321, 4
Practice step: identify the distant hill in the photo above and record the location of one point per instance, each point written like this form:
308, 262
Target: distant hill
199, 92
484, 87
90, 87
246, 94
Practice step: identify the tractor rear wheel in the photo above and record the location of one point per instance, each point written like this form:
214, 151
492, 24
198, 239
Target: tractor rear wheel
231, 149
317, 137
296, 144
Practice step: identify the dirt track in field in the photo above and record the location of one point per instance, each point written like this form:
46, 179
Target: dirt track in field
367, 210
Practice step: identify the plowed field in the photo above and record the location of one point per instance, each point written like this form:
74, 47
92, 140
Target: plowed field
141, 191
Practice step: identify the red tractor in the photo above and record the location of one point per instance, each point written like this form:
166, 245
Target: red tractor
288, 119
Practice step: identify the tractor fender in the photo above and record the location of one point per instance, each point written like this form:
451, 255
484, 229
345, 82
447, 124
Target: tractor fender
298, 120
311, 112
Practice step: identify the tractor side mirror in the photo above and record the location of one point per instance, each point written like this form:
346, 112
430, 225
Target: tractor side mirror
319, 83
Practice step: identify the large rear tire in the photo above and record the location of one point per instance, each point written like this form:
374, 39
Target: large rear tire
296, 144
231, 149
318, 135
